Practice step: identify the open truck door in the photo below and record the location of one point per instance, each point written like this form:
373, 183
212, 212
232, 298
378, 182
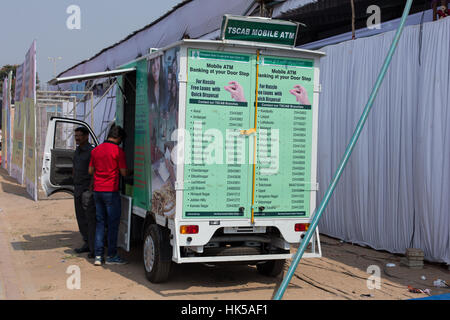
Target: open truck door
58, 154
57, 167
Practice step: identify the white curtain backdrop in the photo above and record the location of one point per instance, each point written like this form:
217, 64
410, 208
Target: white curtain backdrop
395, 191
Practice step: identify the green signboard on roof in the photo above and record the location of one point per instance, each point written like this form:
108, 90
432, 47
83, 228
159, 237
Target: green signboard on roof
258, 29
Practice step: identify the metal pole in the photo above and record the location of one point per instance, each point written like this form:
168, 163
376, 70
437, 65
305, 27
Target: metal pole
54, 59
101, 98
92, 110
353, 19
298, 255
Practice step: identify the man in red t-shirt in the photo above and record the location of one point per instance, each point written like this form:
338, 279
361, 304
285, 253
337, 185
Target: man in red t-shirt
106, 165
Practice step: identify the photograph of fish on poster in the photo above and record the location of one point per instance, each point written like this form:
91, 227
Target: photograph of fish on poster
163, 121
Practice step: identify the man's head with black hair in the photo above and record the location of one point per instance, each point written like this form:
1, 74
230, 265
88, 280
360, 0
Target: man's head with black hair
116, 134
83, 130
81, 136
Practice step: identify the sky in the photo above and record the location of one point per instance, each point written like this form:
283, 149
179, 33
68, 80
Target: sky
102, 23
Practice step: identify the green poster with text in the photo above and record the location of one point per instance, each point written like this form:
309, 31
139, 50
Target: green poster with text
283, 172
221, 100
220, 94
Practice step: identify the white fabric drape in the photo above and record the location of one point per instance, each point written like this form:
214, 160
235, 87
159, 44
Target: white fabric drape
432, 135
395, 191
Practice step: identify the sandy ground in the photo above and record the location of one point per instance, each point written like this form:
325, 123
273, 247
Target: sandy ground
36, 255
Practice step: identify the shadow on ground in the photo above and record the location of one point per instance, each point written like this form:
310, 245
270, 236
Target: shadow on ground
6, 176
15, 189
206, 280
61, 239
10, 185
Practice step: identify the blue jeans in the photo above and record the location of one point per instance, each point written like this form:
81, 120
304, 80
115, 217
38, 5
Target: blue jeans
108, 209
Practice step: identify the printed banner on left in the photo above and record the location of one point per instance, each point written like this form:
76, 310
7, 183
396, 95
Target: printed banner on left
23, 164
6, 123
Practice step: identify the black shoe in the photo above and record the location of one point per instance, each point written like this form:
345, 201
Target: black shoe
83, 249
91, 255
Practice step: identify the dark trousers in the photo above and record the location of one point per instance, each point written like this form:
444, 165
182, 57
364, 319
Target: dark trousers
85, 213
108, 212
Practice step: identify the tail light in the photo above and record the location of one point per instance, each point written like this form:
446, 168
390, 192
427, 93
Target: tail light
301, 227
189, 229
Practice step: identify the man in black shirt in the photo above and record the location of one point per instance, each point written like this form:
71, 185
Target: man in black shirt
84, 200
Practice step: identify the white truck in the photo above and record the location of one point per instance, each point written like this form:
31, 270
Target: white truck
222, 137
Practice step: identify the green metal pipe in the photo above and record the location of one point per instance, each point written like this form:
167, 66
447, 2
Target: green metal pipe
298, 255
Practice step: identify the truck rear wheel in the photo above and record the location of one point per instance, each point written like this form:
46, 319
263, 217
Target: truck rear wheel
157, 253
271, 268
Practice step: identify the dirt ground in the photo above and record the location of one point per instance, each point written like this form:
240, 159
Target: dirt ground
36, 254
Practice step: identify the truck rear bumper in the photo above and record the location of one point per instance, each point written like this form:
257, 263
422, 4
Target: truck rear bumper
249, 258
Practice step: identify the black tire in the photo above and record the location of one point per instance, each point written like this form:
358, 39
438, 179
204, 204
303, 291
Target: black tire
157, 253
271, 268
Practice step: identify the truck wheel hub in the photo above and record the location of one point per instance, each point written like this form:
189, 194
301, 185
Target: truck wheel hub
149, 253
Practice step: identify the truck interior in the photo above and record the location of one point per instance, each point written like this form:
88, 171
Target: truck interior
62, 153
129, 111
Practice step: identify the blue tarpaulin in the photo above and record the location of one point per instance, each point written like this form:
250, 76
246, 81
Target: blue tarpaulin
445, 296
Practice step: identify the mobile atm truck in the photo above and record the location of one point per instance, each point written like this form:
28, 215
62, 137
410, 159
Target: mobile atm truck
222, 138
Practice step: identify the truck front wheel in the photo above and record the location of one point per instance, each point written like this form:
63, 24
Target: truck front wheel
157, 253
271, 268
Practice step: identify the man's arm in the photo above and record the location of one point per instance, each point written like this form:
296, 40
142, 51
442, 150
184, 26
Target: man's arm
91, 169
91, 184
91, 173
124, 171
